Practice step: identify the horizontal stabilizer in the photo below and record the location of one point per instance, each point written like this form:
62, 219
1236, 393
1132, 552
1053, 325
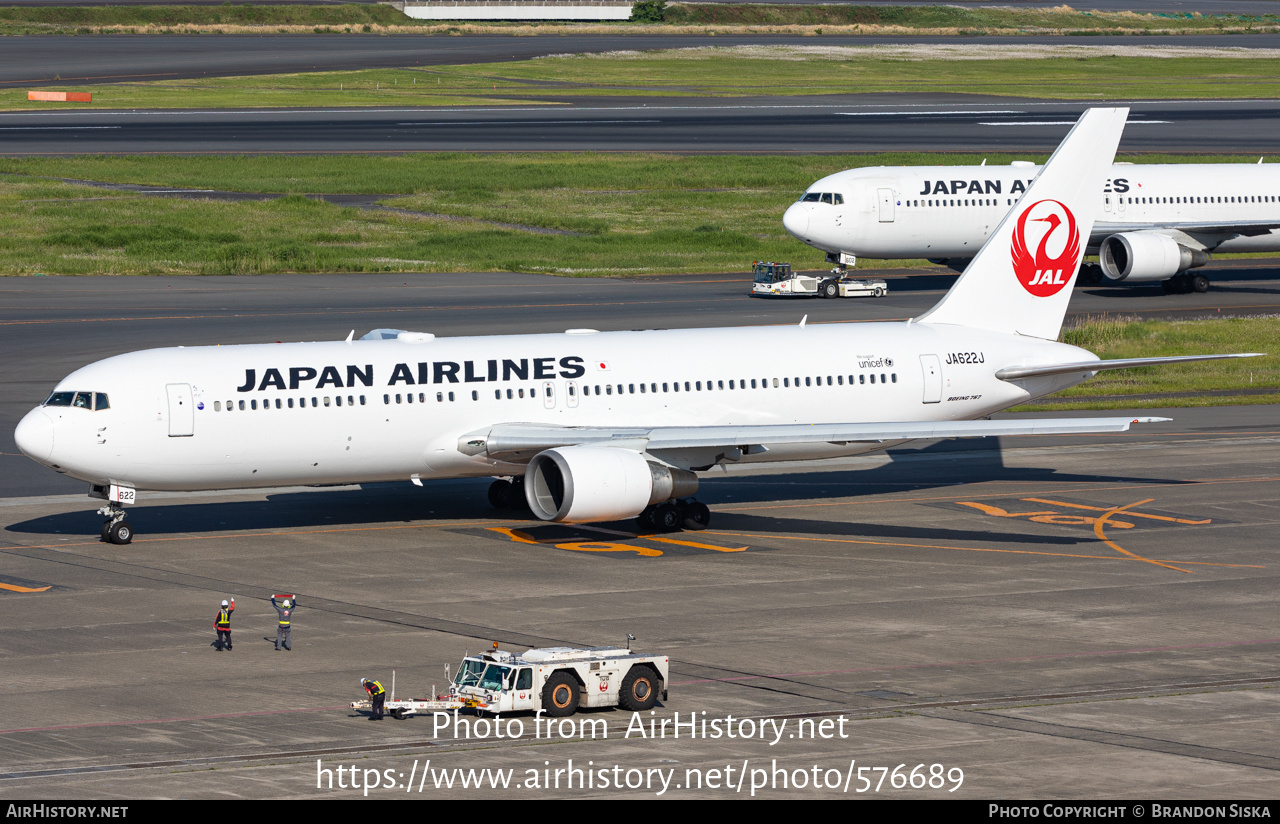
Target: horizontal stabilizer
524, 440
1014, 373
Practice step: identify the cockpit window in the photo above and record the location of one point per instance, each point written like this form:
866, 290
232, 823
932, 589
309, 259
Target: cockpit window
811, 197
80, 400
834, 198
826, 197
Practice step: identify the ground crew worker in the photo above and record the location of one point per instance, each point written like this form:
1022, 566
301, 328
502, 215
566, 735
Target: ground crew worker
222, 624
377, 694
284, 610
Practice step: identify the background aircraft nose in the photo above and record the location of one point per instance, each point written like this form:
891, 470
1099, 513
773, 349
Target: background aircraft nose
796, 220
34, 435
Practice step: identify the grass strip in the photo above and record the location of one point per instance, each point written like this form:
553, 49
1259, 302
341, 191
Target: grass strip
679, 18
633, 214
1076, 73
1119, 337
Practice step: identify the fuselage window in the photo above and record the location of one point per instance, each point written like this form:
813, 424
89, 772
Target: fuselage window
337, 400
439, 397
362, 400
608, 389
894, 376
290, 403
785, 382
315, 402
398, 399
873, 378
775, 383
217, 406
475, 396
720, 384
882, 380
665, 387
450, 397
520, 393
279, 404
385, 399
409, 398
497, 394
326, 400
731, 384
862, 379
806, 382
753, 383
653, 387
241, 406
253, 404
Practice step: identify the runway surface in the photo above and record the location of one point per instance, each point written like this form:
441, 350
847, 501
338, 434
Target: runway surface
982, 610
49, 60
50, 326
851, 123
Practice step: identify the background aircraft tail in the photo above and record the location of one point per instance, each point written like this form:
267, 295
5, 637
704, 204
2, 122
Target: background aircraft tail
1021, 279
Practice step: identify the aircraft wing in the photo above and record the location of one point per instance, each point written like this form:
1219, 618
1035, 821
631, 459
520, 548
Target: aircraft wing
1249, 228
517, 442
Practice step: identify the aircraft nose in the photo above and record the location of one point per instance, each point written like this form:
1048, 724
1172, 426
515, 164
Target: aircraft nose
796, 220
34, 435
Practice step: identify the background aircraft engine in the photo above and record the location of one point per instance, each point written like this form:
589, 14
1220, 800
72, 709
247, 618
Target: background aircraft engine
1142, 256
581, 484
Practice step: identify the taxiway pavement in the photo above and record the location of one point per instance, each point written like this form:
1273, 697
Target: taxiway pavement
809, 124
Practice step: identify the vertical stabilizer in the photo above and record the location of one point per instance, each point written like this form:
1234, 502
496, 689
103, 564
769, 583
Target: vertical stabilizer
1021, 279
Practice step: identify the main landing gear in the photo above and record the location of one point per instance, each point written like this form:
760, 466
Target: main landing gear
1185, 282
508, 494
115, 530
673, 516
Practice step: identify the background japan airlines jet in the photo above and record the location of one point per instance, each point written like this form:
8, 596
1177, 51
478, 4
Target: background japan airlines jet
1154, 222
599, 426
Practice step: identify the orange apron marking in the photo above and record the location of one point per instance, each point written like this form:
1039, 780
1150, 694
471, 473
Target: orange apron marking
711, 547
16, 588
1129, 514
1102, 536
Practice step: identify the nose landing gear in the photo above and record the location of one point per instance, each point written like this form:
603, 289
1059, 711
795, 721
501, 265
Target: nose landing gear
115, 530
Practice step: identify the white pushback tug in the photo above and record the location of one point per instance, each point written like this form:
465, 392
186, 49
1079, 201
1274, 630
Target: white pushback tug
556, 680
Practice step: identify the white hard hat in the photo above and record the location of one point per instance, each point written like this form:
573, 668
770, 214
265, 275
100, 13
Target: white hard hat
224, 602
363, 681
286, 602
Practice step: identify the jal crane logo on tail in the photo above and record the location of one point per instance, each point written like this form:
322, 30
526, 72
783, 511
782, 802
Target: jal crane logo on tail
1057, 248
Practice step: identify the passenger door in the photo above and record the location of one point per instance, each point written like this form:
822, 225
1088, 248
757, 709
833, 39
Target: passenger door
886, 205
182, 410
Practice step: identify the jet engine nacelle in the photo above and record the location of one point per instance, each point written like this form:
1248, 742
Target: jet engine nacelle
581, 484
1143, 256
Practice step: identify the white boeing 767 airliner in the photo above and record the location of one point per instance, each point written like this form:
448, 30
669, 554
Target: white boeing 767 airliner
599, 426
1155, 222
